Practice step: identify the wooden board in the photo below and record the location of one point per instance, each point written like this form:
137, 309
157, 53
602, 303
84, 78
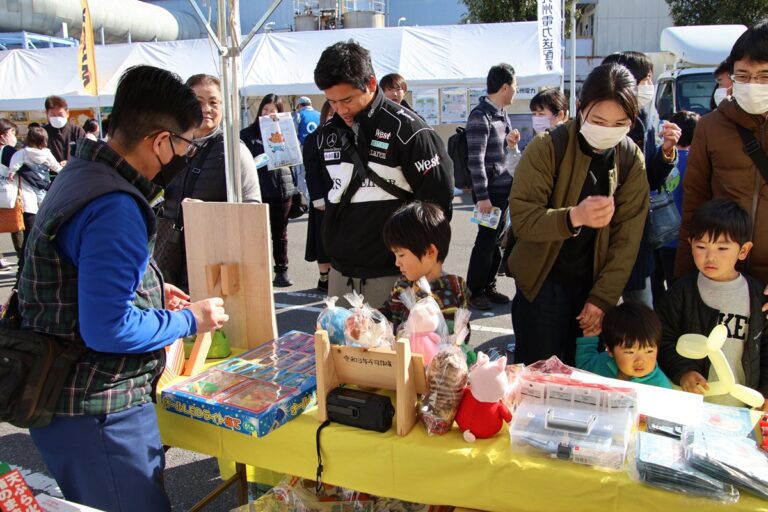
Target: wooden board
234, 233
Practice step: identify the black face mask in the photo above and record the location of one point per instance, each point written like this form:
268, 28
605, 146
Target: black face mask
170, 170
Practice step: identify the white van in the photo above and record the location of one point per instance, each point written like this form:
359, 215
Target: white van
697, 51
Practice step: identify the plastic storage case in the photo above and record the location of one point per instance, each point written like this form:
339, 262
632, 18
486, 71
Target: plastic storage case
582, 434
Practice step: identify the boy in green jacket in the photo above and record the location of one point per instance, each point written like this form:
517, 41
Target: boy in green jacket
631, 333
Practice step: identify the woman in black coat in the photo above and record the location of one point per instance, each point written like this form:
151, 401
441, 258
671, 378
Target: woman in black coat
318, 184
277, 189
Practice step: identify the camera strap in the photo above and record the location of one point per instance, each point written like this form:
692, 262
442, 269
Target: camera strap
319, 481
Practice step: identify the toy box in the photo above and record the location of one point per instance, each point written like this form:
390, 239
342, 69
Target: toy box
253, 393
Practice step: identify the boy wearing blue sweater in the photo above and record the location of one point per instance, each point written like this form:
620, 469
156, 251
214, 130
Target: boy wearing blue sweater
631, 334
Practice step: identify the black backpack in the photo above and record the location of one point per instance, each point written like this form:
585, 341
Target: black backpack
457, 150
560, 142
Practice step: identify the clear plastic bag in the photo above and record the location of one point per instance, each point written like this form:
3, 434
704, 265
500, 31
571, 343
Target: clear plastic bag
446, 379
332, 319
660, 462
365, 326
425, 328
732, 459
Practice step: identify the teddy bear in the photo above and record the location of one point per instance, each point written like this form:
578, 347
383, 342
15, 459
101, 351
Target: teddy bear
481, 412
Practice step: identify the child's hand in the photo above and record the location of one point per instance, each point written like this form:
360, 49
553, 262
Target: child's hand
765, 405
693, 382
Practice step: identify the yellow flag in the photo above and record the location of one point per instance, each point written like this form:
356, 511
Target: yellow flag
86, 55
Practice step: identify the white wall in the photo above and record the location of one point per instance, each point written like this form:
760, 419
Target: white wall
629, 25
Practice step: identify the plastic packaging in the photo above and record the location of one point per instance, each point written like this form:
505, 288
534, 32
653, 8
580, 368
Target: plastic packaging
365, 326
446, 379
660, 462
461, 333
425, 328
294, 494
731, 459
332, 319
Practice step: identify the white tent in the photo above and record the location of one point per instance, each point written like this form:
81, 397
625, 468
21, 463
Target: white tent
283, 63
428, 57
701, 45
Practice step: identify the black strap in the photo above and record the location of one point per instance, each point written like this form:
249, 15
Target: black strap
365, 172
319, 481
754, 151
172, 208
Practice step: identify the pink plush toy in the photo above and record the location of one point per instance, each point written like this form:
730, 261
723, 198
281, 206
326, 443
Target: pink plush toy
424, 320
481, 412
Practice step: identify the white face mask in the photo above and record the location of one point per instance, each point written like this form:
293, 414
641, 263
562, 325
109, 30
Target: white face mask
720, 94
57, 121
602, 137
541, 123
753, 98
645, 94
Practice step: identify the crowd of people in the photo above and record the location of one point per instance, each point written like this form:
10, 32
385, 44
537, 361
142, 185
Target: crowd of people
590, 286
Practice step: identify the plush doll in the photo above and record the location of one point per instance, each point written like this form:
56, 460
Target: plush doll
481, 412
423, 322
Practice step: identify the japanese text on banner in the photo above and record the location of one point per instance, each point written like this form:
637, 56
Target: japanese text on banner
550, 35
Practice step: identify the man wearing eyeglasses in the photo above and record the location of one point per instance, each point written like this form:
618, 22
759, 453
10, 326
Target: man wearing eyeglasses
719, 164
89, 279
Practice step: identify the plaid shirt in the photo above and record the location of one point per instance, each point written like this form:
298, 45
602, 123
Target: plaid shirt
100, 382
450, 292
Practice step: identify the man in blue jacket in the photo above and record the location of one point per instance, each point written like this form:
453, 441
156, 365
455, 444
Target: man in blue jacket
89, 278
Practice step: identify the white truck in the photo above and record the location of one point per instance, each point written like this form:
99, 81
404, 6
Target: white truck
697, 51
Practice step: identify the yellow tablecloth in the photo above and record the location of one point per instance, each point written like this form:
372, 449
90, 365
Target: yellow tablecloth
486, 475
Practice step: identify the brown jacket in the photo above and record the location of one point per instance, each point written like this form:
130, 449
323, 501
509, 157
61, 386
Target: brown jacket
539, 205
719, 167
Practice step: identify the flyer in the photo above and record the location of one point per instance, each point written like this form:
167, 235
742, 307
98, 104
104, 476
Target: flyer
454, 106
281, 144
426, 103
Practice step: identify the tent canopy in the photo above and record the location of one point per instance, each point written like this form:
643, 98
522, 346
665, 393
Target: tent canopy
701, 45
283, 63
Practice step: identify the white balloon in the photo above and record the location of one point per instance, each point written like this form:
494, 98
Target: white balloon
696, 346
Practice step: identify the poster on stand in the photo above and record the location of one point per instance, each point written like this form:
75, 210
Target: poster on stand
426, 103
454, 106
281, 144
474, 97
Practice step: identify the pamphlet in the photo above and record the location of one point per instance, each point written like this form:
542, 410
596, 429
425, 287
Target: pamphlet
489, 220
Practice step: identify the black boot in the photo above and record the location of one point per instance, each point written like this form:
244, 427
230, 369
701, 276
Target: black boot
322, 283
281, 279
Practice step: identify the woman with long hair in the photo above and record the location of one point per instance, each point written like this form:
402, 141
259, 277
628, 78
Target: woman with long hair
578, 219
277, 189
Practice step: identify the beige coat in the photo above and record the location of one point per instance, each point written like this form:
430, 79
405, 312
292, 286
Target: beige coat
539, 204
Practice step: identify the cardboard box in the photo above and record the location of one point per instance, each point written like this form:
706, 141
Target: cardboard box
253, 393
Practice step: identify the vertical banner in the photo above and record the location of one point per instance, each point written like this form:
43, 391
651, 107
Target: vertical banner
550, 35
86, 53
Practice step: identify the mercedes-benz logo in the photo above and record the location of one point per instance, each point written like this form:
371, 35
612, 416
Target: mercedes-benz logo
332, 140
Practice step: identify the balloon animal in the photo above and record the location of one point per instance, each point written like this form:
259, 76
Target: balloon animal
697, 346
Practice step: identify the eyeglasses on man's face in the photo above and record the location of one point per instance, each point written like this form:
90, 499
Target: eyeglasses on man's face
192, 147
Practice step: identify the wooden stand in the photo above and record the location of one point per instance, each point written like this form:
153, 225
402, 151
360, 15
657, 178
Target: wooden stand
400, 371
229, 256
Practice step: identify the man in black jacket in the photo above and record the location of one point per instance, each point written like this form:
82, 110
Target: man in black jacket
62, 134
400, 159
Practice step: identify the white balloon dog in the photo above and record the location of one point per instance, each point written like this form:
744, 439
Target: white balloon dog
697, 346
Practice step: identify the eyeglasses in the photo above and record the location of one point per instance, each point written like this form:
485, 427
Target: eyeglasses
192, 147
745, 78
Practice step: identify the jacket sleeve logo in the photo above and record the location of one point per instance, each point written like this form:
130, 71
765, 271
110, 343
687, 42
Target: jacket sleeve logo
424, 166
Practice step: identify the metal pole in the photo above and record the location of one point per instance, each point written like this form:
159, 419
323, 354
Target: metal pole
573, 58
101, 31
232, 174
211, 34
562, 45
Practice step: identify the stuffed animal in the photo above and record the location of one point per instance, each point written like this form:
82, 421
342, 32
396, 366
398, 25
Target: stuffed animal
423, 322
481, 412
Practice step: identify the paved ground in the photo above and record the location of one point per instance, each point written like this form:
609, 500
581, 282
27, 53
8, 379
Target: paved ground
189, 476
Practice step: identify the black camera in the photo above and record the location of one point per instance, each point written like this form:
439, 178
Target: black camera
360, 409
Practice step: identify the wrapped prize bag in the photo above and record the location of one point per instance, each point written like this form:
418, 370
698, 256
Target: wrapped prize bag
425, 327
446, 378
365, 326
333, 319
